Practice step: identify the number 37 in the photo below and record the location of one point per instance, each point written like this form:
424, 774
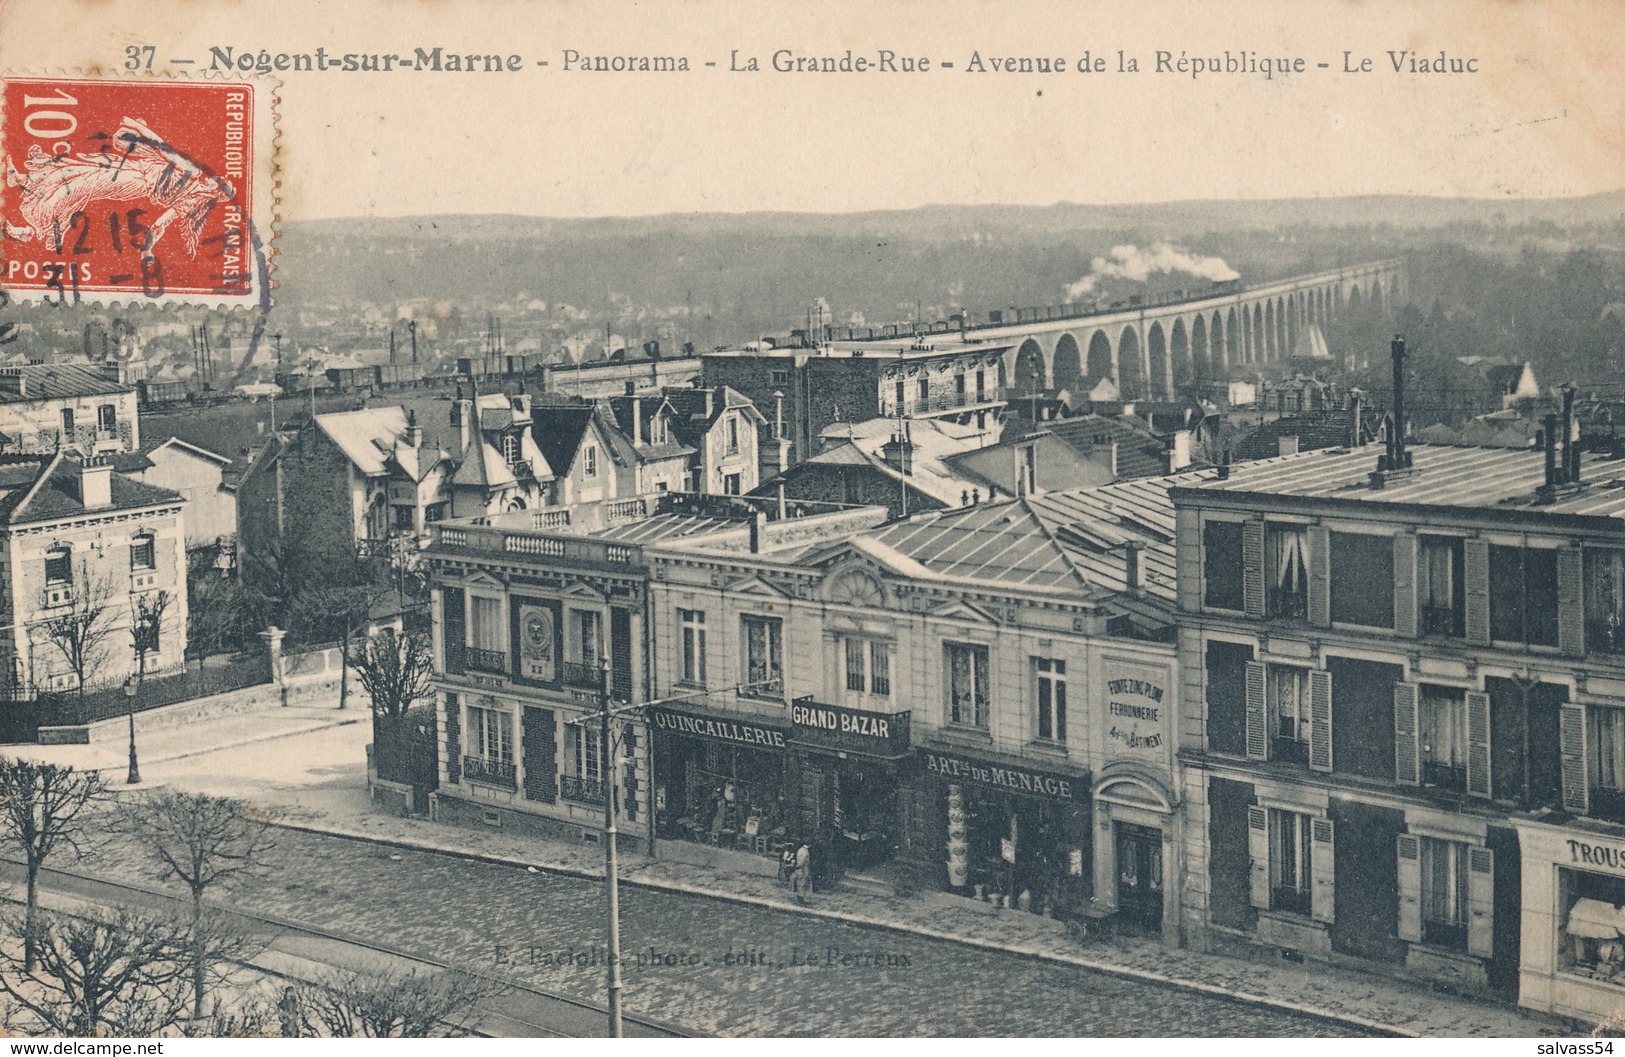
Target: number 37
139, 56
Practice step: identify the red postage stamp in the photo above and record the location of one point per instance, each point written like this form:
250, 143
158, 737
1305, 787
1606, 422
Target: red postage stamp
136, 190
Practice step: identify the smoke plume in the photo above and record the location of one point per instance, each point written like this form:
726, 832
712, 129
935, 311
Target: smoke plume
1137, 265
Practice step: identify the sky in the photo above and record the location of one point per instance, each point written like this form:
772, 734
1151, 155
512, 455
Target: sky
1542, 115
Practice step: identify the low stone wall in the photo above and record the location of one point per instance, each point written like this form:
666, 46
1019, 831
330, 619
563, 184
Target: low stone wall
317, 683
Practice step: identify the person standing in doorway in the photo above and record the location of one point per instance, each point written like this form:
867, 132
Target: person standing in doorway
801, 873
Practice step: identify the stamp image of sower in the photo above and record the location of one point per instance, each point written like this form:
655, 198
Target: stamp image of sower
137, 190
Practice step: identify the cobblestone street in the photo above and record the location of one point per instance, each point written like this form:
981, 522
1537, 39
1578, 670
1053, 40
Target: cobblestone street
709, 966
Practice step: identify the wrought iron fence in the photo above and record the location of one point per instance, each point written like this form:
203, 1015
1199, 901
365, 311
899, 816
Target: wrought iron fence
69, 708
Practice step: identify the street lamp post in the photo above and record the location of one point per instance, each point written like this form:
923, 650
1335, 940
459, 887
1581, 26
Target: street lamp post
131, 685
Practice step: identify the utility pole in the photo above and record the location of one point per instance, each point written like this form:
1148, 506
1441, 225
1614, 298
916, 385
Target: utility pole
612, 938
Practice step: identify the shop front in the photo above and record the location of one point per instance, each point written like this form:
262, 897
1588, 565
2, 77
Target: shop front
849, 765
1009, 832
1134, 803
720, 788
1573, 922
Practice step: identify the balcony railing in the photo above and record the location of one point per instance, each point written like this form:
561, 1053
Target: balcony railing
1291, 605
944, 402
494, 662
576, 673
1439, 620
1290, 899
1444, 776
1605, 636
589, 791
488, 771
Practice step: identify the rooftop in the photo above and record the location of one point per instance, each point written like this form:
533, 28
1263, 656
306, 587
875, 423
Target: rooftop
55, 381
45, 488
902, 348
1441, 476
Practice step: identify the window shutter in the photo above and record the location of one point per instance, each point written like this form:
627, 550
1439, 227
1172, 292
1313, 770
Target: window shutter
1572, 748
1322, 870
1258, 740
1478, 743
1407, 734
1320, 576
1410, 888
1320, 721
1252, 568
540, 751
1405, 584
1476, 567
1258, 845
1571, 626
1480, 902
454, 746
620, 653
453, 625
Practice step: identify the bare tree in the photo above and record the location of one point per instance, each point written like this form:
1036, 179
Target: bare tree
202, 841
80, 632
41, 805
216, 609
109, 972
394, 670
146, 622
397, 1004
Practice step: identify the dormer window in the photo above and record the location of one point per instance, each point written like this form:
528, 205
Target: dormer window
510, 448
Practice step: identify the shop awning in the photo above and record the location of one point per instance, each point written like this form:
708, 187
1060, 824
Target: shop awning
1593, 919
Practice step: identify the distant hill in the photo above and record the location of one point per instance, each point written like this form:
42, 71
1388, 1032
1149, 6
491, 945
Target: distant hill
1162, 220
728, 276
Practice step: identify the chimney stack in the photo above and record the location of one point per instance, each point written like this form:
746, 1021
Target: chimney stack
758, 531
1132, 566
1571, 451
1356, 419
637, 418
1550, 431
462, 416
95, 482
414, 435
1400, 458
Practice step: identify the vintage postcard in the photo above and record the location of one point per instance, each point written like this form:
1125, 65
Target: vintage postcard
862, 520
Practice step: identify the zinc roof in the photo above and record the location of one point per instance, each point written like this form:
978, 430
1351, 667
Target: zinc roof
1442, 475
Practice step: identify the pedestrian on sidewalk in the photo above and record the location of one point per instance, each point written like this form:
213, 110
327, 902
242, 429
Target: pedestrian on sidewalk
801, 873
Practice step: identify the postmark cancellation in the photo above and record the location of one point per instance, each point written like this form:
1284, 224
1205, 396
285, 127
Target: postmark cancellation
137, 190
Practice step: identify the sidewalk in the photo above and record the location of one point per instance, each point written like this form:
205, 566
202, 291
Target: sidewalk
213, 735
316, 779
